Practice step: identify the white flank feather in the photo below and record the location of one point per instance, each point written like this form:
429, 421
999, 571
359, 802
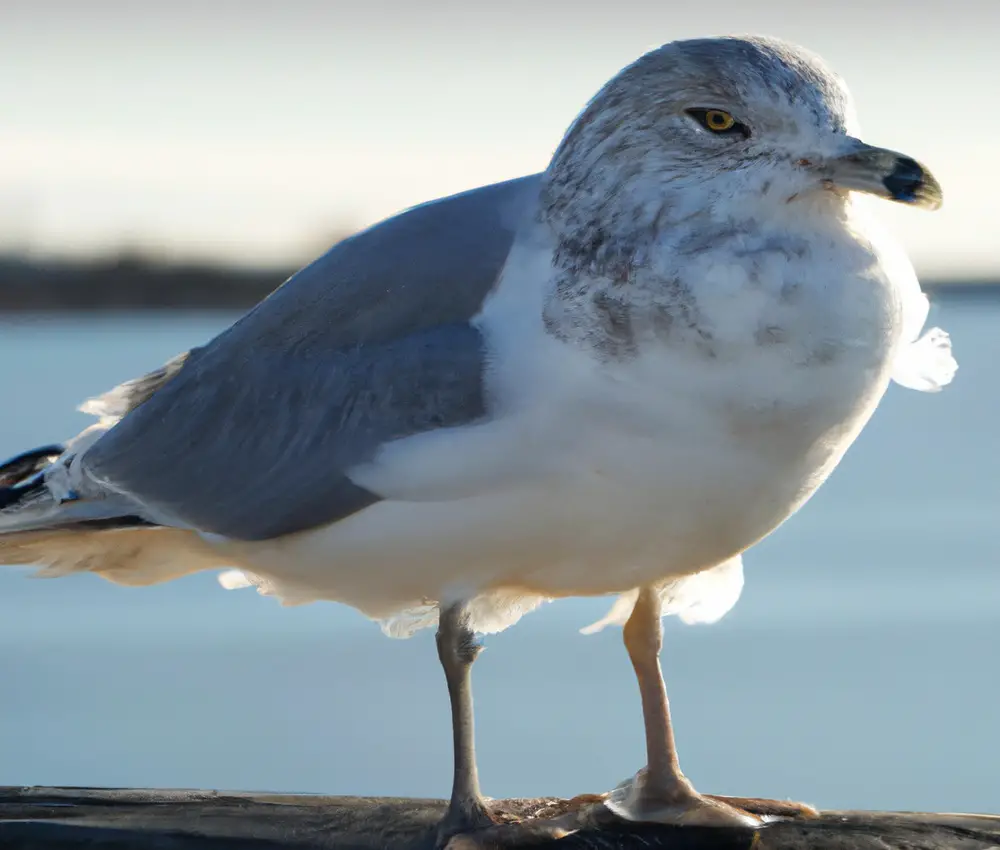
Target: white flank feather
925, 363
704, 597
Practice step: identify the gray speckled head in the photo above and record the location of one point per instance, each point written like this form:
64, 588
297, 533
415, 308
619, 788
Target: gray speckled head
763, 81
643, 189
756, 76
639, 125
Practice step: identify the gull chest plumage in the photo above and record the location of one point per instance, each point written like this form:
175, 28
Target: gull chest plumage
641, 428
611, 377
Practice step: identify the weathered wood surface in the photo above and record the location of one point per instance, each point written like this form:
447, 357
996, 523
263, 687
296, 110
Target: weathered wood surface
54, 818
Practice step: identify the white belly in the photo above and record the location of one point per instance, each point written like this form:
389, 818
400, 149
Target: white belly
598, 475
602, 488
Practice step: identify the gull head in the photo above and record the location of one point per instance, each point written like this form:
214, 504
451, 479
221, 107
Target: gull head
723, 124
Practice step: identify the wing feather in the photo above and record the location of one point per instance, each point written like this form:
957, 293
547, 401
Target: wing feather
250, 435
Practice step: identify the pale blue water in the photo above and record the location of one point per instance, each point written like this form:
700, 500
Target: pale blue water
858, 670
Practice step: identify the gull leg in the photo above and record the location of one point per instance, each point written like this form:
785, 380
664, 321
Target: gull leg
661, 792
457, 650
468, 824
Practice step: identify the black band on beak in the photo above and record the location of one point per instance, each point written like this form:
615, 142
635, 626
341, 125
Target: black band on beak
906, 179
881, 172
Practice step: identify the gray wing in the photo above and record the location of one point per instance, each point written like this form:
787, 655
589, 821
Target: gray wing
249, 436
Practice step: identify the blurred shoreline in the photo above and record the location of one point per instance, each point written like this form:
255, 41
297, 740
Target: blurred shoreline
136, 282
130, 282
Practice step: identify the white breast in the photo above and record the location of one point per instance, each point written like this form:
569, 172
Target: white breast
596, 477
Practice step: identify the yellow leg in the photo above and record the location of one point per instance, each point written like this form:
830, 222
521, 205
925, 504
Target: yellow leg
661, 793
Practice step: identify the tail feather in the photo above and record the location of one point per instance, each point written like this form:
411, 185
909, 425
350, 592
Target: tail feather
129, 556
43, 526
55, 518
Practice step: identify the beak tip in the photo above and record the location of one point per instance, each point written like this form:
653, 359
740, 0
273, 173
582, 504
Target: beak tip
910, 183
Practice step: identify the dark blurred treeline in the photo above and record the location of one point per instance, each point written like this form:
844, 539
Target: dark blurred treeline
130, 282
134, 282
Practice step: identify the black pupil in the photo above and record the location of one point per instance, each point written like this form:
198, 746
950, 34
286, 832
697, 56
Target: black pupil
717, 119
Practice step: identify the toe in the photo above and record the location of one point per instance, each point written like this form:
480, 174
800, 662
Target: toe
461, 820
634, 801
769, 808
512, 835
694, 811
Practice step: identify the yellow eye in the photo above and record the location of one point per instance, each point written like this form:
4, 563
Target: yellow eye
718, 121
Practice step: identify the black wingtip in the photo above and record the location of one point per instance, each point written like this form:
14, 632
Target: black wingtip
28, 463
19, 476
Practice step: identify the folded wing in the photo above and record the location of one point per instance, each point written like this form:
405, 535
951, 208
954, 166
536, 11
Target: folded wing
250, 435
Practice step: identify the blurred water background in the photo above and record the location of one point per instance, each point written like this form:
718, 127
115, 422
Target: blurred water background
184, 156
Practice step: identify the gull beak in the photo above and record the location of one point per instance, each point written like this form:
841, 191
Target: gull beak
883, 173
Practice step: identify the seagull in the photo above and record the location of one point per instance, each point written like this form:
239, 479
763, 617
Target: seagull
610, 378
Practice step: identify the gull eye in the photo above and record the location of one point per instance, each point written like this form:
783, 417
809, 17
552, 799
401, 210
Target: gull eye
719, 121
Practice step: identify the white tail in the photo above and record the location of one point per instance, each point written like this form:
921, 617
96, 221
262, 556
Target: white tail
45, 522
130, 556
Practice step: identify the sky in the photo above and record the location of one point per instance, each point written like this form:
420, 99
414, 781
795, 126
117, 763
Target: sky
254, 132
